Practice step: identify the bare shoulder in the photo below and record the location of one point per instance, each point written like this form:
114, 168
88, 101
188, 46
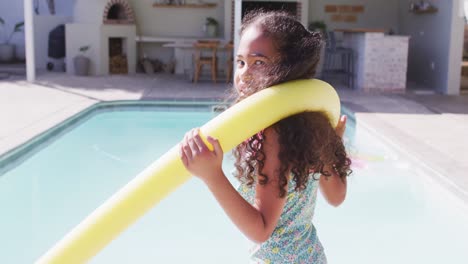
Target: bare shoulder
271, 149
271, 136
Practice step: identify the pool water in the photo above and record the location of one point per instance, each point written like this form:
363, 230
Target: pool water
393, 212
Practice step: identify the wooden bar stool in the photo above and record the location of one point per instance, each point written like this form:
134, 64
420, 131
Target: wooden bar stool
205, 54
330, 67
230, 60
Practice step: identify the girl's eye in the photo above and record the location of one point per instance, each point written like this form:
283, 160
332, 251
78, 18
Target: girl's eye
240, 63
259, 62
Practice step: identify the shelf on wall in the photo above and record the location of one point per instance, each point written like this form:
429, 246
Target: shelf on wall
430, 10
207, 5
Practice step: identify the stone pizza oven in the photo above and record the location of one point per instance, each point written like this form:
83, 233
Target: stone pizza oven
108, 27
118, 12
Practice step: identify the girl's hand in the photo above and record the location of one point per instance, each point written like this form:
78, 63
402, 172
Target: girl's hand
341, 127
198, 159
334, 188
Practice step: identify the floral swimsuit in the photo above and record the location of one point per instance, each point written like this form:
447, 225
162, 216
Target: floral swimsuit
294, 239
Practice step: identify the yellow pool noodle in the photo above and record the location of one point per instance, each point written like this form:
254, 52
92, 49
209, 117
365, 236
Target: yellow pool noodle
165, 174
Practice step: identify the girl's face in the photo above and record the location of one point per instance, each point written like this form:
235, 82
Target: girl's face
255, 56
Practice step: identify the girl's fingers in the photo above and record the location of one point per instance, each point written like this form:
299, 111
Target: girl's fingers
191, 141
185, 147
218, 150
186, 137
183, 157
343, 120
340, 128
187, 151
199, 142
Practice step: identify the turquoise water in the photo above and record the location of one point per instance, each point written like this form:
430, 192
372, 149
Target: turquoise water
393, 212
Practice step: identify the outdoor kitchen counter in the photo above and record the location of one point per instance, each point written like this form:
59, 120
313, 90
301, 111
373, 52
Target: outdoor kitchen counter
360, 30
183, 49
191, 39
380, 61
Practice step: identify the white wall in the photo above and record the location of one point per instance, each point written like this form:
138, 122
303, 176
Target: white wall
97, 37
127, 32
79, 35
456, 48
42, 27
157, 21
377, 14
175, 22
436, 39
435, 50
12, 12
62, 7
89, 11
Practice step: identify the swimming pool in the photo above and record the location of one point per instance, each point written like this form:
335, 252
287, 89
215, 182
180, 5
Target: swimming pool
393, 212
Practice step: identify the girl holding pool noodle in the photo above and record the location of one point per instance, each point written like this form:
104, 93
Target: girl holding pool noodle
282, 167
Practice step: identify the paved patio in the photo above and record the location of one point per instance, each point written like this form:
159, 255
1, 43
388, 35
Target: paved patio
430, 128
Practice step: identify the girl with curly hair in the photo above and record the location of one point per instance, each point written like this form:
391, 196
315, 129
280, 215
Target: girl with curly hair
282, 167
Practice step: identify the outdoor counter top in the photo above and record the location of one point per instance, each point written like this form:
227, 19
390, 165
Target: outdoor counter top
360, 30
183, 49
189, 39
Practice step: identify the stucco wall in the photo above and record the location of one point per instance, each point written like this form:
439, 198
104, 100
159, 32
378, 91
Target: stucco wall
436, 44
42, 27
127, 32
12, 11
456, 48
12, 14
79, 35
175, 22
62, 7
97, 37
377, 14
89, 11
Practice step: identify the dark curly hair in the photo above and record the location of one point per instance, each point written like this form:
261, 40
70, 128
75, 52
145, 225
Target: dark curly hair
308, 141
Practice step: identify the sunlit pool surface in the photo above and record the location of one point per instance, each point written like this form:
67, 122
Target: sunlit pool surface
393, 213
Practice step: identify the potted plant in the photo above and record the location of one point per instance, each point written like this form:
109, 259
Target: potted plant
211, 25
7, 50
318, 26
82, 62
51, 6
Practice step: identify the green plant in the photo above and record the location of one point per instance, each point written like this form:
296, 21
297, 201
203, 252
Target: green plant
318, 25
18, 28
211, 21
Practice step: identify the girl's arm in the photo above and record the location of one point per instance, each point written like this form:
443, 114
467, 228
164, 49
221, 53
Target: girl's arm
257, 222
333, 188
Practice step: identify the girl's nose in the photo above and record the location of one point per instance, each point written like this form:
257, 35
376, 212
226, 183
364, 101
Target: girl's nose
245, 74
246, 77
